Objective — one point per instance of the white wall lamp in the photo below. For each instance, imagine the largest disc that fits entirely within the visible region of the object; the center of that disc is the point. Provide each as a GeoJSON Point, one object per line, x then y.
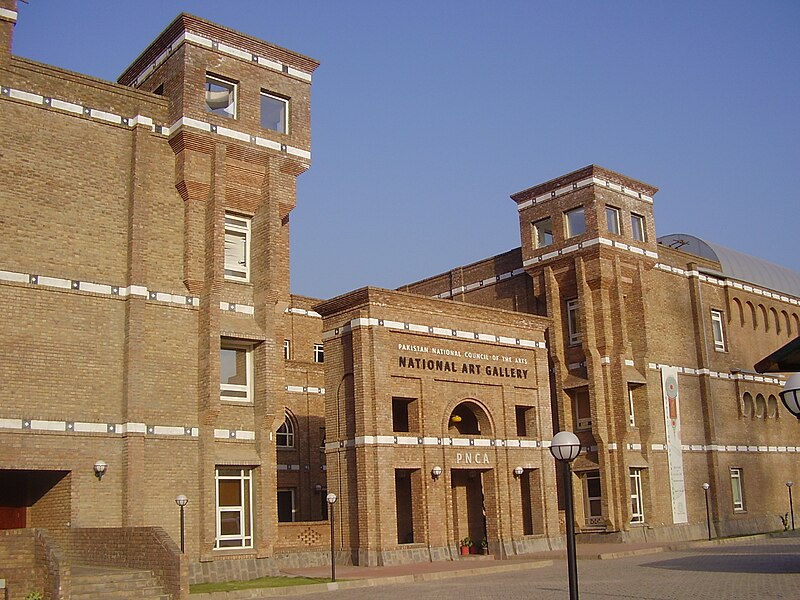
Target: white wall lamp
{"type": "Point", "coordinates": [100, 469]}
{"type": "Point", "coordinates": [436, 472]}
{"type": "Point", "coordinates": [518, 471]}
{"type": "Point", "coordinates": [791, 395]}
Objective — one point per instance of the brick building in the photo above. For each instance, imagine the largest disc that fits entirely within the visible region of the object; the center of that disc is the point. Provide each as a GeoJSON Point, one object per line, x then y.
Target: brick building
{"type": "Point", "coordinates": [148, 325]}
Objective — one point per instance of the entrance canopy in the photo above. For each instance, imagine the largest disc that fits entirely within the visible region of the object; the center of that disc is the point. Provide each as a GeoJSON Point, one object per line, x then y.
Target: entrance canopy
{"type": "Point", "coordinates": [783, 360]}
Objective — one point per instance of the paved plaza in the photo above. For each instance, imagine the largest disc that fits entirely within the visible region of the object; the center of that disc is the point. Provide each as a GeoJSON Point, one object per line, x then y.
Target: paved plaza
{"type": "Point", "coordinates": [749, 569]}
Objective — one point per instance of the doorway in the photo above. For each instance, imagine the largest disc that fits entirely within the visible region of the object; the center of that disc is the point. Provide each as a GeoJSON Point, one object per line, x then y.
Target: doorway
{"type": "Point", "coordinates": [469, 511]}
{"type": "Point", "coordinates": [34, 499]}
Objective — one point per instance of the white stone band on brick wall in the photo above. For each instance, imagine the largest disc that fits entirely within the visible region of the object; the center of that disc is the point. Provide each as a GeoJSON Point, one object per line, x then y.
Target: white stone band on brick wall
{"type": "Point", "coordinates": [720, 375]}
{"type": "Point", "coordinates": [8, 15]}
{"type": "Point", "coordinates": [479, 284]}
{"type": "Point", "coordinates": [588, 244]}
{"type": "Point", "coordinates": [582, 184]}
{"type": "Point", "coordinates": [107, 428]}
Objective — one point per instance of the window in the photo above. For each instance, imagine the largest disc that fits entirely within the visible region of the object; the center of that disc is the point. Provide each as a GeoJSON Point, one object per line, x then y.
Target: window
{"type": "Point", "coordinates": [719, 335]}
{"type": "Point", "coordinates": [286, 506]}
{"type": "Point", "coordinates": [234, 504]}
{"type": "Point", "coordinates": [573, 324]}
{"type": "Point", "coordinates": [737, 489]}
{"type": "Point", "coordinates": [274, 112]}
{"type": "Point", "coordinates": [612, 219]}
{"type": "Point", "coordinates": [575, 222]}
{"type": "Point", "coordinates": [235, 371]}
{"type": "Point", "coordinates": [631, 416]}
{"type": "Point", "coordinates": [543, 233]}
{"type": "Point", "coordinates": [220, 96]}
{"type": "Point", "coordinates": [322, 439]}
{"type": "Point", "coordinates": [237, 247]}
{"type": "Point", "coordinates": [637, 504]}
{"type": "Point", "coordinates": [287, 350]}
{"type": "Point", "coordinates": [637, 228]}
{"type": "Point", "coordinates": [583, 411]}
{"type": "Point", "coordinates": [319, 353]}
{"type": "Point", "coordinates": [593, 499]}
{"type": "Point", "coordinates": [284, 437]}
{"type": "Point", "coordinates": [525, 420]}
{"type": "Point", "coordinates": [404, 414]}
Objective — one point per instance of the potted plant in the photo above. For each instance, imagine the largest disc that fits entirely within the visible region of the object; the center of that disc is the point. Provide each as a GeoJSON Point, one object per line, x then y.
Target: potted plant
{"type": "Point", "coordinates": [484, 546]}
{"type": "Point", "coordinates": [466, 546]}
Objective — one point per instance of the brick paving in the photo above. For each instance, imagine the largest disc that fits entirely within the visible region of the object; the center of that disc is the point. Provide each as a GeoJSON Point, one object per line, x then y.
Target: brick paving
{"type": "Point", "coordinates": [745, 569]}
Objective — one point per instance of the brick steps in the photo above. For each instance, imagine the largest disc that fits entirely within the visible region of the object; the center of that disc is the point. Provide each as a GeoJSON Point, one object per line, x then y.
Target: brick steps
{"type": "Point", "coordinates": [91, 582]}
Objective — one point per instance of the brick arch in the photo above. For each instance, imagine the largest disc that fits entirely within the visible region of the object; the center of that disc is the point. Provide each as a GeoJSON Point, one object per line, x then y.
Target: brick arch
{"type": "Point", "coordinates": [772, 407]}
{"type": "Point", "coordinates": [775, 320]}
{"type": "Point", "coordinates": [748, 407]}
{"type": "Point", "coordinates": [788, 322]}
{"type": "Point", "coordinates": [763, 310]}
{"type": "Point", "coordinates": [739, 310]}
{"type": "Point", "coordinates": [473, 419]}
{"type": "Point", "coordinates": [761, 407]}
{"type": "Point", "coordinates": [753, 314]}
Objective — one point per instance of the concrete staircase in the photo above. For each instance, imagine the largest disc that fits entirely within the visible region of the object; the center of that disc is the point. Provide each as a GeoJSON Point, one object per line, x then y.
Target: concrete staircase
{"type": "Point", "coordinates": [91, 582]}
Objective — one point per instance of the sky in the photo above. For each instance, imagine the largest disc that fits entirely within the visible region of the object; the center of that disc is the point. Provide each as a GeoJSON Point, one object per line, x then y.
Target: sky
{"type": "Point", "coordinates": [428, 115]}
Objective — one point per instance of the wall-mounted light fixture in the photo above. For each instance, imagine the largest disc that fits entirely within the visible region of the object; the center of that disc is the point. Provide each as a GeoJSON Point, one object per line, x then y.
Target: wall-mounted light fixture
{"type": "Point", "coordinates": [436, 472]}
{"type": "Point", "coordinates": [100, 468]}
{"type": "Point", "coordinates": [518, 471]}
{"type": "Point", "coordinates": [318, 488]}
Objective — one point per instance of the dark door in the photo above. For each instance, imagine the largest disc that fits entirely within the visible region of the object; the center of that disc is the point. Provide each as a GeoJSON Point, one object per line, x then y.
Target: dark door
{"type": "Point", "coordinates": [12, 517]}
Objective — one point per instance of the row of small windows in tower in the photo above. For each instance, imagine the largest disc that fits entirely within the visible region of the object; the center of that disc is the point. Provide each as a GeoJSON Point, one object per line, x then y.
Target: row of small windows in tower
{"type": "Point", "coordinates": [575, 224]}
{"type": "Point", "coordinates": [319, 351]}
{"type": "Point", "coordinates": [222, 98]}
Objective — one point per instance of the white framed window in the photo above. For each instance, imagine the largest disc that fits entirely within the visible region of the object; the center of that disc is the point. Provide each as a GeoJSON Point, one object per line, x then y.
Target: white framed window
{"type": "Point", "coordinates": [719, 331]}
{"type": "Point", "coordinates": [235, 371]}
{"type": "Point", "coordinates": [637, 228]}
{"type": "Point", "coordinates": [274, 112]}
{"type": "Point", "coordinates": [319, 353]}
{"type": "Point", "coordinates": [237, 247]}
{"type": "Point", "coordinates": [631, 414]}
{"type": "Point", "coordinates": [542, 233]}
{"type": "Point", "coordinates": [593, 499]}
{"type": "Point", "coordinates": [284, 437]}
{"type": "Point", "coordinates": [575, 222]}
{"type": "Point", "coordinates": [287, 350]}
{"type": "Point", "coordinates": [286, 505]}
{"type": "Point", "coordinates": [234, 507]}
{"type": "Point", "coordinates": [221, 96]}
{"type": "Point", "coordinates": [583, 410]}
{"type": "Point", "coordinates": [637, 499]}
{"type": "Point", "coordinates": [737, 489]}
{"type": "Point", "coordinates": [612, 219]}
{"type": "Point", "coordinates": [573, 322]}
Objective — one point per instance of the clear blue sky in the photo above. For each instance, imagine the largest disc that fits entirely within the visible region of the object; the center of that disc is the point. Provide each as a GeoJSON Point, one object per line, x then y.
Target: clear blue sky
{"type": "Point", "coordinates": [427, 115]}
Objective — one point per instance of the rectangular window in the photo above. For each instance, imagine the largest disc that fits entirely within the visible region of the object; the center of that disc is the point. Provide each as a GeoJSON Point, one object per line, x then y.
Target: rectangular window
{"type": "Point", "coordinates": [637, 500]}
{"type": "Point", "coordinates": [525, 423]}
{"type": "Point", "coordinates": [237, 247]}
{"type": "Point", "coordinates": [631, 416]}
{"type": "Point", "coordinates": [593, 499]}
{"type": "Point", "coordinates": [287, 350]}
{"type": "Point", "coordinates": [573, 323]}
{"type": "Point", "coordinates": [286, 506]}
{"type": "Point", "coordinates": [583, 411]}
{"type": "Point", "coordinates": [543, 233]}
{"type": "Point", "coordinates": [719, 332]}
{"type": "Point", "coordinates": [575, 222]}
{"type": "Point", "coordinates": [612, 219]}
{"type": "Point", "coordinates": [235, 371]}
{"type": "Point", "coordinates": [274, 112]}
{"type": "Point", "coordinates": [405, 414]}
{"type": "Point", "coordinates": [637, 228]}
{"type": "Point", "coordinates": [319, 353]}
{"type": "Point", "coordinates": [737, 489]}
{"type": "Point", "coordinates": [234, 507]}
{"type": "Point", "coordinates": [220, 96]}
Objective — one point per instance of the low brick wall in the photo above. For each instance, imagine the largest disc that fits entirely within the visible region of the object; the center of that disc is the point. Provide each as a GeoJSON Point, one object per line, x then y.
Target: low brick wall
{"type": "Point", "coordinates": [148, 548]}
{"type": "Point", "coordinates": [303, 535]}
{"type": "Point", "coordinates": [31, 561]}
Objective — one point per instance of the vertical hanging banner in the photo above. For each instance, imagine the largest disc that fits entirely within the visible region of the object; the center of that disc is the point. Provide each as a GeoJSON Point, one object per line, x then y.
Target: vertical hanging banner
{"type": "Point", "coordinates": [672, 422]}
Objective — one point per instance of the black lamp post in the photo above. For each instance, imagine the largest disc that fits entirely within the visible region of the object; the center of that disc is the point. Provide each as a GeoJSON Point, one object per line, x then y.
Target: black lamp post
{"type": "Point", "coordinates": [565, 448]}
{"type": "Point", "coordinates": [789, 485]}
{"type": "Point", "coordinates": [182, 501]}
{"type": "Point", "coordinates": [708, 513]}
{"type": "Point", "coordinates": [331, 499]}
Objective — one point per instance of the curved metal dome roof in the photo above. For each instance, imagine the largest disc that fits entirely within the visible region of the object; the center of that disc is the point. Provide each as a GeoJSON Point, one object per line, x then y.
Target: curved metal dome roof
{"type": "Point", "coordinates": [738, 265]}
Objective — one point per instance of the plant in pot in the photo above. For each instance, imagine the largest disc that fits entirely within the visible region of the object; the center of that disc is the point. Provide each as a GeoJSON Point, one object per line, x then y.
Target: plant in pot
{"type": "Point", "coordinates": [466, 545]}
{"type": "Point", "coordinates": [484, 546]}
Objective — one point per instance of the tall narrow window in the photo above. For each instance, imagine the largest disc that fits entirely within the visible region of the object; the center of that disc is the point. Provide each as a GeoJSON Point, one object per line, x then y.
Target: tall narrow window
{"type": "Point", "coordinates": [319, 353]}
{"type": "Point", "coordinates": [637, 503]}
{"type": "Point", "coordinates": [235, 371]}
{"type": "Point", "coordinates": [583, 410]}
{"type": "Point", "coordinates": [237, 247]}
{"type": "Point", "coordinates": [575, 222]}
{"type": "Point", "coordinates": [286, 506]}
{"type": "Point", "coordinates": [284, 437]}
{"type": "Point", "coordinates": [573, 323]}
{"type": "Point", "coordinates": [287, 349]}
{"type": "Point", "coordinates": [543, 233]}
{"type": "Point", "coordinates": [632, 415]}
{"type": "Point", "coordinates": [220, 96]}
{"type": "Point", "coordinates": [719, 333]}
{"type": "Point", "coordinates": [612, 219]}
{"type": "Point", "coordinates": [593, 499]}
{"type": "Point", "coordinates": [737, 489]}
{"type": "Point", "coordinates": [274, 112]}
{"type": "Point", "coordinates": [637, 228]}
{"type": "Point", "coordinates": [525, 416]}
{"type": "Point", "coordinates": [234, 507]}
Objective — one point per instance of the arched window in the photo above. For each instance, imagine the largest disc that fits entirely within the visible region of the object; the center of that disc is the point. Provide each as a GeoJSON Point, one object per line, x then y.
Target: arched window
{"type": "Point", "coordinates": [284, 438]}
{"type": "Point", "coordinates": [747, 405]}
{"type": "Point", "coordinates": [764, 318]}
{"type": "Point", "coordinates": [753, 316]}
{"type": "Point", "coordinates": [761, 407]}
{"type": "Point", "coordinates": [469, 418]}
{"type": "Point", "coordinates": [775, 319]}
{"type": "Point", "coordinates": [772, 407]}
{"type": "Point", "coordinates": [796, 322]}
{"type": "Point", "coordinates": [739, 310]}
{"type": "Point", "coordinates": [788, 323]}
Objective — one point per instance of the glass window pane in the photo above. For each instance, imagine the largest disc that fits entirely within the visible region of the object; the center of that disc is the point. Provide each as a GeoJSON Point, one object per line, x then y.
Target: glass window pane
{"type": "Point", "coordinates": [230, 522]}
{"type": "Point", "coordinates": [637, 227]}
{"type": "Point", "coordinates": [612, 219]}
{"type": "Point", "coordinates": [230, 492]}
{"type": "Point", "coordinates": [543, 233]}
{"type": "Point", "coordinates": [233, 366]}
{"type": "Point", "coordinates": [220, 96]}
{"type": "Point", "coordinates": [273, 113]}
{"type": "Point", "coordinates": [576, 223]}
